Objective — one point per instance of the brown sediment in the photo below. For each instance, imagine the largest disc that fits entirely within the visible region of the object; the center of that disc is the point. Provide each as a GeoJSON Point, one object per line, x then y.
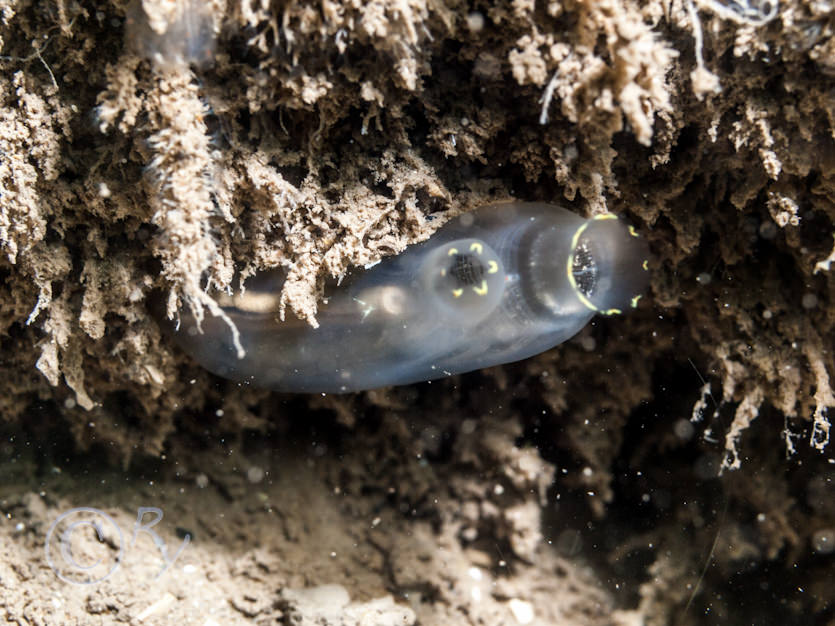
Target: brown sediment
{"type": "Point", "coordinates": [320, 137]}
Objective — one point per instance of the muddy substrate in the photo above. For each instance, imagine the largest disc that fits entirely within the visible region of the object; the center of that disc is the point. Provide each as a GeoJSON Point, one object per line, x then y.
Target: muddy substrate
{"type": "Point", "coordinates": [671, 466]}
{"type": "Point", "coordinates": [447, 503]}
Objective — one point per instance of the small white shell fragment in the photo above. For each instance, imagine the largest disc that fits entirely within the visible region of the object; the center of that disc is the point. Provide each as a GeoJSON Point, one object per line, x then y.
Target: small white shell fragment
{"type": "Point", "coordinates": [522, 611]}
{"type": "Point", "coordinates": [325, 596]}
{"type": "Point", "coordinates": [157, 608]}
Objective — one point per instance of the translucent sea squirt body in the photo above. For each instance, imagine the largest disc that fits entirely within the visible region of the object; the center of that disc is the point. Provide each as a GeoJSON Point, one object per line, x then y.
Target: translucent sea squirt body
{"type": "Point", "coordinates": [499, 284]}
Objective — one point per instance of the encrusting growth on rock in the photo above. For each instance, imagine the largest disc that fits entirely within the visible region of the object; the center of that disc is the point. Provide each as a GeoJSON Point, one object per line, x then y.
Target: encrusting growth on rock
{"type": "Point", "coordinates": [193, 144]}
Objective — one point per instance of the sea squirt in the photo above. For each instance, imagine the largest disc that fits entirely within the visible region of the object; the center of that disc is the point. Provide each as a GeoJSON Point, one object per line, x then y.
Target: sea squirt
{"type": "Point", "coordinates": [499, 284]}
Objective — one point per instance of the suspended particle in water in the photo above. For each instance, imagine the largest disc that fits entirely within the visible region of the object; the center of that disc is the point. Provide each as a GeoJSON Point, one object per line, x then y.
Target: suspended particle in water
{"type": "Point", "coordinates": [809, 301]}
{"type": "Point", "coordinates": [823, 541]}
